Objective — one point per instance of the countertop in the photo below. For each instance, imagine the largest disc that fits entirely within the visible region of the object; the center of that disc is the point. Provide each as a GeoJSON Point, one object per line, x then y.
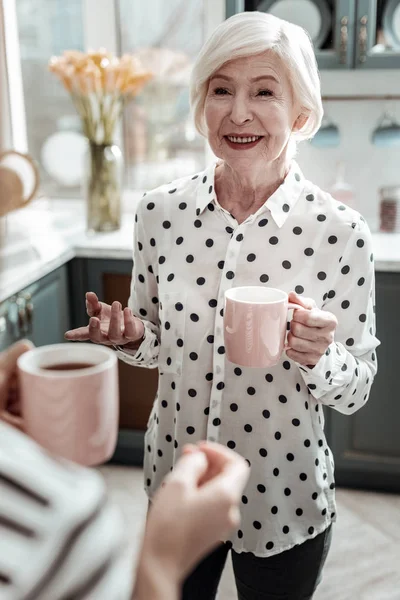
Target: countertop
{"type": "Point", "coordinates": [47, 234]}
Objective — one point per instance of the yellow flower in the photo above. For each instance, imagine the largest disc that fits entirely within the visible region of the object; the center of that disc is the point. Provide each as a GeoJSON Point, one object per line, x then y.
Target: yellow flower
{"type": "Point", "coordinates": [133, 85]}
{"type": "Point", "coordinates": [89, 79]}
{"type": "Point", "coordinates": [101, 58]}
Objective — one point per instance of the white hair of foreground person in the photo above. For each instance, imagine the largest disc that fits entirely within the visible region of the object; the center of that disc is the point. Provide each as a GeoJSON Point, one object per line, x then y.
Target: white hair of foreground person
{"type": "Point", "coordinates": [250, 33]}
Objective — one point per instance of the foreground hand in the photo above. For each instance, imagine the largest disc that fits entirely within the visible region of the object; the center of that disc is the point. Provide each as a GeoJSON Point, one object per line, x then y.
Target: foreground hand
{"type": "Point", "coordinates": [108, 325]}
{"type": "Point", "coordinates": [196, 507]}
{"type": "Point", "coordinates": [312, 330]}
{"type": "Point", "coordinates": [10, 409]}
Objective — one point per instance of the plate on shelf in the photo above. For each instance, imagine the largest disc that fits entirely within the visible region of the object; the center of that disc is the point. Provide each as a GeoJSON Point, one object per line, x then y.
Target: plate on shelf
{"type": "Point", "coordinates": [63, 155]}
{"type": "Point", "coordinates": [19, 178]}
{"type": "Point", "coordinates": [391, 23]}
{"type": "Point", "coordinates": [313, 15]}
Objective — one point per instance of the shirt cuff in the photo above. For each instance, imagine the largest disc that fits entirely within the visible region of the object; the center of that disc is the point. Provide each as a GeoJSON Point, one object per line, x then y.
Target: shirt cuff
{"type": "Point", "coordinates": [138, 354]}
{"type": "Point", "coordinates": [319, 379]}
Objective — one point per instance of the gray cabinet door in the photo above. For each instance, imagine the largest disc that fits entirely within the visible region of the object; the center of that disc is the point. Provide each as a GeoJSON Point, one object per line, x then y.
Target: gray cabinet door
{"type": "Point", "coordinates": [337, 51]}
{"type": "Point", "coordinates": [51, 313]}
{"type": "Point", "coordinates": [375, 41]}
{"type": "Point", "coordinates": [49, 310]}
{"type": "Point", "coordinates": [110, 280]}
{"type": "Point", "coordinates": [366, 445]}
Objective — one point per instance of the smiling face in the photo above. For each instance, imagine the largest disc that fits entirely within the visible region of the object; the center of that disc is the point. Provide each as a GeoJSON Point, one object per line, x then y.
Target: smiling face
{"type": "Point", "coordinates": [250, 111]}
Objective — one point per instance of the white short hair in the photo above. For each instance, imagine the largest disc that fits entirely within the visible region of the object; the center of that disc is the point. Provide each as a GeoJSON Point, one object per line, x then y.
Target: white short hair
{"type": "Point", "coordinates": [250, 33]}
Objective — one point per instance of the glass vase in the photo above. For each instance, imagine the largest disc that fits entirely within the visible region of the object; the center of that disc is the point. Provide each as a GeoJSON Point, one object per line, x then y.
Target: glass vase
{"type": "Point", "coordinates": [103, 187]}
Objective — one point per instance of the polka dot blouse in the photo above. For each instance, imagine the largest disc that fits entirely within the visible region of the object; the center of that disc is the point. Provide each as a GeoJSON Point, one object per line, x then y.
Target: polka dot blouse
{"type": "Point", "coordinates": [187, 251]}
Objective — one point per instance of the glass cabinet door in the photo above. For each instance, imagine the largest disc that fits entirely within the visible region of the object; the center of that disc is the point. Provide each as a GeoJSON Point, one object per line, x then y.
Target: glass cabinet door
{"type": "Point", "coordinates": [378, 34]}
{"type": "Point", "coordinates": [330, 24]}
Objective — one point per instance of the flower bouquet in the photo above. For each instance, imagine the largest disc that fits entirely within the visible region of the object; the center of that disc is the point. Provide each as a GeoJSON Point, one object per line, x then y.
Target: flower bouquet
{"type": "Point", "coordinates": [100, 84]}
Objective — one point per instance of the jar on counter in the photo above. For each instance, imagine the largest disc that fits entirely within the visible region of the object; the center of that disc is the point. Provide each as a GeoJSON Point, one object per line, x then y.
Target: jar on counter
{"type": "Point", "coordinates": [390, 209]}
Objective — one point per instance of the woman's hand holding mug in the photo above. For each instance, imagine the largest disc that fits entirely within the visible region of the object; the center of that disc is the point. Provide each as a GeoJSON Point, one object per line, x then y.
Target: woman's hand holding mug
{"type": "Point", "coordinates": [312, 330]}
{"type": "Point", "coordinates": [255, 323]}
{"type": "Point", "coordinates": [108, 325]}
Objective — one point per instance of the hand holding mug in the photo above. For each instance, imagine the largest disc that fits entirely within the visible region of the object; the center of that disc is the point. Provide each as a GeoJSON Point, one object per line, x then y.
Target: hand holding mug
{"type": "Point", "coordinates": [10, 409]}
{"type": "Point", "coordinates": [312, 330]}
{"type": "Point", "coordinates": [108, 325]}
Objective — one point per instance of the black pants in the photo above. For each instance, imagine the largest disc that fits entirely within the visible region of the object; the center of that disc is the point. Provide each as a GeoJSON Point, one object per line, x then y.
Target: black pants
{"type": "Point", "coordinates": [290, 575]}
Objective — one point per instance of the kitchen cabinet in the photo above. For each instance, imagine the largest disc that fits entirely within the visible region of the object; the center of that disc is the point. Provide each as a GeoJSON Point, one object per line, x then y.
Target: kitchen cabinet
{"type": "Point", "coordinates": [39, 312]}
{"type": "Point", "coordinates": [366, 445]}
{"type": "Point", "coordinates": [110, 280]}
{"type": "Point", "coordinates": [347, 34]}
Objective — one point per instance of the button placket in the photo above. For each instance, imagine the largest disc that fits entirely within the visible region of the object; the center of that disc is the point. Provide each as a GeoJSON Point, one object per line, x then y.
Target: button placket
{"type": "Point", "coordinates": [231, 261]}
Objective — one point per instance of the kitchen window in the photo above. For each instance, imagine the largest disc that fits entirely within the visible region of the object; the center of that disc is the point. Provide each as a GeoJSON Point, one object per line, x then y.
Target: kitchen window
{"type": "Point", "coordinates": [157, 135]}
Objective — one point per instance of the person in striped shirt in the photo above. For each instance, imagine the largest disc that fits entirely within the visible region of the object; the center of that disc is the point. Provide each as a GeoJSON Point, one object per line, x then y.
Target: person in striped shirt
{"type": "Point", "coordinates": [61, 538]}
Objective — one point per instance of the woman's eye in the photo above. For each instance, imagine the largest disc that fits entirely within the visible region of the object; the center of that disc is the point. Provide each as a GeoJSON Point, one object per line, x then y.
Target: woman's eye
{"type": "Point", "coordinates": [220, 91]}
{"type": "Point", "coordinates": [264, 93]}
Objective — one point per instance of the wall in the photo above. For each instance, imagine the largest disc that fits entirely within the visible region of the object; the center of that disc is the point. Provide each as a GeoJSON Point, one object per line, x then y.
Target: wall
{"type": "Point", "coordinates": [368, 167]}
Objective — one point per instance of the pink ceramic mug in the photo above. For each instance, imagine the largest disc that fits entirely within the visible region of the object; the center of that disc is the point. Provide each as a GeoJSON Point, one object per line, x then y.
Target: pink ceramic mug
{"type": "Point", "coordinates": [70, 400]}
{"type": "Point", "coordinates": [255, 320]}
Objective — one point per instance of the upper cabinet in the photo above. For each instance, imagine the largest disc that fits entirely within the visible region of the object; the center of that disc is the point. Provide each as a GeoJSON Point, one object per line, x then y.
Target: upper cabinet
{"type": "Point", "coordinates": [377, 34]}
{"type": "Point", "coordinates": [347, 34]}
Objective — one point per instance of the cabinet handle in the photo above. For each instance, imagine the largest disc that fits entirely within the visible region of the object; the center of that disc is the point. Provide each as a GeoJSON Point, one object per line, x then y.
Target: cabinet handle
{"type": "Point", "coordinates": [22, 322]}
{"type": "Point", "coordinates": [344, 36]}
{"type": "Point", "coordinates": [29, 316]}
{"type": "Point", "coordinates": [363, 39]}
{"type": "Point", "coordinates": [12, 317]}
{"type": "Point", "coordinates": [3, 325]}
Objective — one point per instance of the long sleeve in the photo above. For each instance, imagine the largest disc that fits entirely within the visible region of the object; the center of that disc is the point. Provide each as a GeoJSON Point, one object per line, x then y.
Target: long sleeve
{"type": "Point", "coordinates": [143, 300]}
{"type": "Point", "coordinates": [60, 537]}
{"type": "Point", "coordinates": [343, 377]}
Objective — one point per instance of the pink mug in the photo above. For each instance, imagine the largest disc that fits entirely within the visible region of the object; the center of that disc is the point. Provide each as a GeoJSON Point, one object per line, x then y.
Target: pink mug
{"type": "Point", "coordinates": [70, 400]}
{"type": "Point", "coordinates": [255, 320]}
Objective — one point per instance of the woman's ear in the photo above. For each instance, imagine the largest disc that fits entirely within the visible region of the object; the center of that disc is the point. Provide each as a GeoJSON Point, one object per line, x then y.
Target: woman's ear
{"type": "Point", "coordinates": [300, 122]}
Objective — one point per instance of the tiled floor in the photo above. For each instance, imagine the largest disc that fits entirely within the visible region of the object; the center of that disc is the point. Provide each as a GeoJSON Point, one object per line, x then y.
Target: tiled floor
{"type": "Point", "coordinates": [364, 561]}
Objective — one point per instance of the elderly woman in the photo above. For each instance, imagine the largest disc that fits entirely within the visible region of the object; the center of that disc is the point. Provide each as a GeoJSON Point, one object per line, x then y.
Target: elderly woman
{"type": "Point", "coordinates": [251, 218]}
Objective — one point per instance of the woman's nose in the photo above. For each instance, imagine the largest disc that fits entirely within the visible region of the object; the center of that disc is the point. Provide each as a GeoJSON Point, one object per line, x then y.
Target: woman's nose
{"type": "Point", "coordinates": [240, 111]}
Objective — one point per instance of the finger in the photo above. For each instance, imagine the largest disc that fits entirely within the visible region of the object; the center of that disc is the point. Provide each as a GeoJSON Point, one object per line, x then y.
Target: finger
{"type": "Point", "coordinates": [12, 420]}
{"type": "Point", "coordinates": [303, 358]}
{"type": "Point", "coordinates": [190, 449]}
{"type": "Point", "coordinates": [189, 469]}
{"type": "Point", "coordinates": [313, 334]}
{"type": "Point", "coordinates": [93, 306]}
{"type": "Point", "coordinates": [315, 318]}
{"type": "Point", "coordinates": [133, 327]}
{"type": "Point", "coordinates": [115, 333]}
{"type": "Point", "coordinates": [229, 482]}
{"type": "Point", "coordinates": [306, 346]}
{"type": "Point", "coordinates": [8, 358]}
{"type": "Point", "coordinates": [307, 303]}
{"type": "Point", "coordinates": [95, 334]}
{"type": "Point", "coordinates": [224, 462]}
{"type": "Point", "coordinates": [80, 334]}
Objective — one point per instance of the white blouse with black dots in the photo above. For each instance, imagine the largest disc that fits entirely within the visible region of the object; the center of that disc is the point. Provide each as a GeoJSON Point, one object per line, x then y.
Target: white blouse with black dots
{"type": "Point", "coordinates": [187, 251]}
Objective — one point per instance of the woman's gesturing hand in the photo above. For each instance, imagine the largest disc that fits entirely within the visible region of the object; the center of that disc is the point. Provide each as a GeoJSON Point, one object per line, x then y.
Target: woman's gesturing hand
{"type": "Point", "coordinates": [312, 330]}
{"type": "Point", "coordinates": [108, 325]}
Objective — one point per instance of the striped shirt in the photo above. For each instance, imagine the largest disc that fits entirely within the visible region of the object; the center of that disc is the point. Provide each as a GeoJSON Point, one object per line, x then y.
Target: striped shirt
{"type": "Point", "coordinates": [60, 538]}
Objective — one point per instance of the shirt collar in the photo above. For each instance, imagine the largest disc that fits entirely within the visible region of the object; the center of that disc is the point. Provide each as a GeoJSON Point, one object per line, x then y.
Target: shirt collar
{"type": "Point", "coordinates": [205, 189]}
{"type": "Point", "coordinates": [284, 199]}
{"type": "Point", "coordinates": [280, 204]}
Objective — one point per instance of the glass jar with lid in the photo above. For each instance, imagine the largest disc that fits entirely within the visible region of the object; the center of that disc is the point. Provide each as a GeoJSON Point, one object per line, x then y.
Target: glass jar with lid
{"type": "Point", "coordinates": [390, 209]}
